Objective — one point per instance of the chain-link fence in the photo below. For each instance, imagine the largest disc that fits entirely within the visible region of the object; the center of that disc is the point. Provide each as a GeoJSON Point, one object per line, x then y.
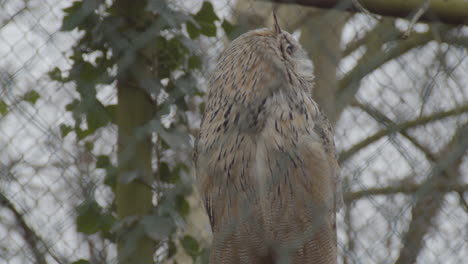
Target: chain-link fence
{"type": "Point", "coordinates": [398, 103]}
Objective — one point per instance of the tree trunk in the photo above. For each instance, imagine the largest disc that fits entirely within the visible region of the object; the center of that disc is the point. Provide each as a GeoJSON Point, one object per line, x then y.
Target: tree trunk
{"type": "Point", "coordinates": [133, 193]}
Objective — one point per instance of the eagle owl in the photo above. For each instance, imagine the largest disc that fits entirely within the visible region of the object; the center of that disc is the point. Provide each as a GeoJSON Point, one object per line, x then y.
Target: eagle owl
{"type": "Point", "coordinates": [265, 158]}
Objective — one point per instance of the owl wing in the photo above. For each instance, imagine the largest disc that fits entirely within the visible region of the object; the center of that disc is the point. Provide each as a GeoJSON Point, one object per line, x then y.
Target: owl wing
{"type": "Point", "coordinates": [308, 214]}
{"type": "Point", "coordinates": [325, 131]}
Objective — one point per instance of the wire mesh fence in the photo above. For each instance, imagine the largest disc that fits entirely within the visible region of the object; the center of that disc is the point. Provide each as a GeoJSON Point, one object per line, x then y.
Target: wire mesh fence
{"type": "Point", "coordinates": [399, 107]}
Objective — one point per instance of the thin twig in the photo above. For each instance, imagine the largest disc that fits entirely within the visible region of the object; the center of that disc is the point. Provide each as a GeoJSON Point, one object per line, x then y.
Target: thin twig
{"type": "Point", "coordinates": [346, 154]}
{"type": "Point", "coordinates": [364, 10]}
{"type": "Point", "coordinates": [428, 201]}
{"type": "Point", "coordinates": [405, 188]}
{"type": "Point", "coordinates": [29, 236]}
{"type": "Point", "coordinates": [423, 9]}
{"type": "Point", "coordinates": [463, 201]}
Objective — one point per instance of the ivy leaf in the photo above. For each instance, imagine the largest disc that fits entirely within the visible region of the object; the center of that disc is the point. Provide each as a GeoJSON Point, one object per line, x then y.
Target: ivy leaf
{"type": "Point", "coordinates": [191, 246]}
{"type": "Point", "coordinates": [91, 218]}
{"type": "Point", "coordinates": [205, 19]}
{"type": "Point", "coordinates": [112, 113]}
{"type": "Point", "coordinates": [3, 108]}
{"type": "Point", "coordinates": [31, 97]}
{"type": "Point", "coordinates": [172, 250]}
{"type": "Point", "coordinates": [158, 227]}
{"type": "Point", "coordinates": [103, 162]}
{"type": "Point", "coordinates": [201, 107]}
{"type": "Point", "coordinates": [182, 205]}
{"type": "Point", "coordinates": [56, 75]}
{"type": "Point", "coordinates": [194, 62]}
{"type": "Point", "coordinates": [81, 134]}
{"type": "Point", "coordinates": [81, 261]}
{"type": "Point", "coordinates": [96, 118]}
{"type": "Point", "coordinates": [88, 219]}
{"type": "Point", "coordinates": [192, 30]}
{"type": "Point", "coordinates": [203, 257]}
{"type": "Point", "coordinates": [73, 105]}
{"type": "Point", "coordinates": [231, 31]}
{"type": "Point", "coordinates": [89, 145]}
{"type": "Point", "coordinates": [165, 174]}
{"type": "Point", "coordinates": [65, 130]}
{"type": "Point", "coordinates": [77, 13]}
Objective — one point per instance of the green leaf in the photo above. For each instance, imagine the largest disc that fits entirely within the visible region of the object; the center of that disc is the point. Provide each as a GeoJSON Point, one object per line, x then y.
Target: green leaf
{"type": "Point", "coordinates": [112, 113]}
{"type": "Point", "coordinates": [88, 220]}
{"type": "Point", "coordinates": [158, 227]}
{"type": "Point", "coordinates": [205, 18]}
{"type": "Point", "coordinates": [77, 13]}
{"type": "Point", "coordinates": [231, 31]}
{"type": "Point", "coordinates": [89, 145]}
{"type": "Point", "coordinates": [182, 206]}
{"type": "Point", "coordinates": [81, 134]}
{"type": "Point", "coordinates": [103, 162]}
{"type": "Point", "coordinates": [91, 218]}
{"type": "Point", "coordinates": [192, 30]}
{"type": "Point", "coordinates": [3, 108]}
{"type": "Point", "coordinates": [111, 177]}
{"type": "Point", "coordinates": [96, 119]}
{"type": "Point", "coordinates": [172, 250]}
{"type": "Point", "coordinates": [206, 13]}
{"type": "Point", "coordinates": [191, 246]}
{"type": "Point", "coordinates": [73, 105]}
{"type": "Point", "coordinates": [31, 97]}
{"type": "Point", "coordinates": [81, 261]}
{"type": "Point", "coordinates": [65, 130]}
{"type": "Point", "coordinates": [164, 172]}
{"type": "Point", "coordinates": [194, 62]}
{"type": "Point", "coordinates": [203, 257]}
{"type": "Point", "coordinates": [56, 75]}
{"type": "Point", "coordinates": [89, 72]}
{"type": "Point", "coordinates": [171, 55]}
{"type": "Point", "coordinates": [106, 222]}
{"type": "Point", "coordinates": [201, 107]}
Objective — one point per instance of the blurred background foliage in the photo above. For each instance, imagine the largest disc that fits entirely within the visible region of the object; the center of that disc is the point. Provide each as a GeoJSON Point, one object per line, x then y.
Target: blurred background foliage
{"type": "Point", "coordinates": [101, 100]}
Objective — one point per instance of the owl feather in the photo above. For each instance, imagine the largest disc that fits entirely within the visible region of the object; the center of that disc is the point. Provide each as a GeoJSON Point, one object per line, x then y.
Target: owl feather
{"type": "Point", "coordinates": [265, 158]}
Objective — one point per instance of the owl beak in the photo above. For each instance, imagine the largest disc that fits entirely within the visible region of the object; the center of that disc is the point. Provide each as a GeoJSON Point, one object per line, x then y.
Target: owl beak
{"type": "Point", "coordinates": [276, 26]}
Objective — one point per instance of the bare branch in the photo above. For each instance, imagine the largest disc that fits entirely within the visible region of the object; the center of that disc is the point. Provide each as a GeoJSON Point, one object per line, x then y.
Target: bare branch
{"type": "Point", "coordinates": [405, 188]}
{"type": "Point", "coordinates": [29, 236]}
{"type": "Point", "coordinates": [450, 12]}
{"type": "Point", "coordinates": [385, 25]}
{"type": "Point", "coordinates": [374, 58]}
{"type": "Point", "coordinates": [382, 118]}
{"type": "Point", "coordinates": [428, 199]}
{"type": "Point", "coordinates": [421, 11]}
{"type": "Point", "coordinates": [345, 155]}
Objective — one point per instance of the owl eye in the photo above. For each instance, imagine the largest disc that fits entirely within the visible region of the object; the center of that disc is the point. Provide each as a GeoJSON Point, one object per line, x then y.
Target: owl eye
{"type": "Point", "coordinates": [290, 49]}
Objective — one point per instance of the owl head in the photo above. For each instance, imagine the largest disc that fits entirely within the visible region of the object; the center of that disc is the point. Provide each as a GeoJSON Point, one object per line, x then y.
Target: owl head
{"type": "Point", "coordinates": [263, 58]}
{"type": "Point", "coordinates": [278, 46]}
{"type": "Point", "coordinates": [293, 55]}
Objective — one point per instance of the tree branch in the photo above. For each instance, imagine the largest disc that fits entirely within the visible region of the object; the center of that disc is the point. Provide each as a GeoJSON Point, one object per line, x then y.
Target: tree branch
{"type": "Point", "coordinates": [29, 236]}
{"type": "Point", "coordinates": [450, 12]}
{"type": "Point", "coordinates": [345, 155]}
{"type": "Point", "coordinates": [383, 26]}
{"type": "Point", "coordinates": [380, 117]}
{"type": "Point", "coordinates": [428, 200]}
{"type": "Point", "coordinates": [440, 187]}
{"type": "Point", "coordinates": [374, 58]}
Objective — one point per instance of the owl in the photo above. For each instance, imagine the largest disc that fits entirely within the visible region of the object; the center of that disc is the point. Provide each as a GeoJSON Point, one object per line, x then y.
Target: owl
{"type": "Point", "coordinates": [265, 158]}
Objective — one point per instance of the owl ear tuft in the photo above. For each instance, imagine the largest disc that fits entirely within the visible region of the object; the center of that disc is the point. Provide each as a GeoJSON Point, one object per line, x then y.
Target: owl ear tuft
{"type": "Point", "coordinates": [276, 26]}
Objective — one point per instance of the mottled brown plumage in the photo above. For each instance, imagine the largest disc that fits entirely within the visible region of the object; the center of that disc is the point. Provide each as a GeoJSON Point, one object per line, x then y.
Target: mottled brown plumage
{"type": "Point", "coordinates": [265, 156]}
